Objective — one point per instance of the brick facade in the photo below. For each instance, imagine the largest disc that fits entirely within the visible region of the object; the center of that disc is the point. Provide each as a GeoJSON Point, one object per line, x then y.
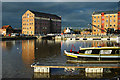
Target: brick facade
{"type": "Point", "coordinates": [104, 21]}
{"type": "Point", "coordinates": [40, 23]}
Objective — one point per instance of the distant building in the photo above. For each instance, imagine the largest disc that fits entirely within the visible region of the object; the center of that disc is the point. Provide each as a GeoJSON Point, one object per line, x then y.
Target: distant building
{"type": "Point", "coordinates": [68, 30]}
{"type": "Point", "coordinates": [86, 32]}
{"type": "Point", "coordinates": [6, 29]}
{"type": "Point", "coordinates": [105, 22]}
{"type": "Point", "coordinates": [17, 31]}
{"type": "Point", "coordinates": [40, 23]}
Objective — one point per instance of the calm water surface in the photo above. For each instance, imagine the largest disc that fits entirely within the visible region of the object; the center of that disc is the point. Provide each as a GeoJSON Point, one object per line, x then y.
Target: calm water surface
{"type": "Point", "coordinates": [18, 55]}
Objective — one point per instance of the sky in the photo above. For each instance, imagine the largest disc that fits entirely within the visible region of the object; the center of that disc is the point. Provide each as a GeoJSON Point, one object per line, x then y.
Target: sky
{"type": "Point", "coordinates": [74, 14]}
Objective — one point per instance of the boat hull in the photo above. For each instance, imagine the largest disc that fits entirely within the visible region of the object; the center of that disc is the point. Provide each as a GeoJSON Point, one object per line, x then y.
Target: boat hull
{"type": "Point", "coordinates": [91, 56]}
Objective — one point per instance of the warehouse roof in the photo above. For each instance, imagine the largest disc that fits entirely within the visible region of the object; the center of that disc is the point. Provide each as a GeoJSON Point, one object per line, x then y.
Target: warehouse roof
{"type": "Point", "coordinates": [45, 14]}
{"type": "Point", "coordinates": [105, 12]}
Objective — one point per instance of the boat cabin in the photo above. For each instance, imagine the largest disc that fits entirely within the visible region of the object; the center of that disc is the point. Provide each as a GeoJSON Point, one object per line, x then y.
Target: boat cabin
{"type": "Point", "coordinates": [100, 50]}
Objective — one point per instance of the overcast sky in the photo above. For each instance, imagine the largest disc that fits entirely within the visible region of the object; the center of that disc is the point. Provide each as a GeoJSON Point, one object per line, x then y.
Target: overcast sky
{"type": "Point", "coordinates": [76, 14]}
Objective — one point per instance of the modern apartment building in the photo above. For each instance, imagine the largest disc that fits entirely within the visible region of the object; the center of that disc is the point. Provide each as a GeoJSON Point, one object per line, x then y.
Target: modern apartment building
{"type": "Point", "coordinates": [105, 22]}
{"type": "Point", "coordinates": [40, 23]}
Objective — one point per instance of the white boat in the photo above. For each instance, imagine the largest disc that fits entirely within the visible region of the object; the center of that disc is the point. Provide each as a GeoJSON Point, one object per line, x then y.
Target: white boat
{"type": "Point", "coordinates": [95, 52]}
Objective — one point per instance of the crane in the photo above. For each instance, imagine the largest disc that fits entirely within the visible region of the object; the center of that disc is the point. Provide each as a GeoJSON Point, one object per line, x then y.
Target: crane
{"type": "Point", "coordinates": [109, 30]}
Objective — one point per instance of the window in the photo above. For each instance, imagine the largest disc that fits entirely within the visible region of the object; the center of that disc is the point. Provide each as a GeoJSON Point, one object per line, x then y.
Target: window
{"type": "Point", "coordinates": [114, 25]}
{"type": "Point", "coordinates": [98, 16]}
{"type": "Point", "coordinates": [27, 32]}
{"type": "Point", "coordinates": [98, 21]}
{"type": "Point", "coordinates": [110, 20]}
{"type": "Point", "coordinates": [107, 25]}
{"type": "Point", "coordinates": [114, 15]}
{"type": "Point", "coordinates": [114, 20]}
{"type": "Point", "coordinates": [27, 15]}
{"type": "Point", "coordinates": [102, 21]}
{"type": "Point", "coordinates": [31, 32]}
{"type": "Point", "coordinates": [94, 17]}
{"type": "Point", "coordinates": [98, 25]}
{"type": "Point", "coordinates": [106, 20]}
{"type": "Point", "coordinates": [30, 27]}
{"type": "Point", "coordinates": [110, 16]}
{"type": "Point", "coordinates": [110, 25]}
{"type": "Point", "coordinates": [27, 23]}
{"type": "Point", "coordinates": [94, 21]}
{"type": "Point", "coordinates": [107, 16]}
{"type": "Point", "coordinates": [28, 20]}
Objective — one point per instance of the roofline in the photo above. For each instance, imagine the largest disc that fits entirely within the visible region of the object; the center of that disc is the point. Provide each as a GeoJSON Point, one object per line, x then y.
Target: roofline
{"type": "Point", "coordinates": [45, 13]}
{"type": "Point", "coordinates": [105, 12]}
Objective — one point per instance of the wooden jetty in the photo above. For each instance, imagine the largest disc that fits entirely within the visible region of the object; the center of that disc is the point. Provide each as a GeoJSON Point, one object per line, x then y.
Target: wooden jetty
{"type": "Point", "coordinates": [88, 69]}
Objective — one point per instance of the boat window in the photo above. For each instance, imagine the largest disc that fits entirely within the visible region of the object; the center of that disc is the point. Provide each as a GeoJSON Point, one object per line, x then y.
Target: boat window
{"type": "Point", "coordinates": [81, 51]}
{"type": "Point", "coordinates": [105, 51]}
{"type": "Point", "coordinates": [88, 51]}
{"type": "Point", "coordinates": [115, 52]}
{"type": "Point", "coordinates": [95, 51]}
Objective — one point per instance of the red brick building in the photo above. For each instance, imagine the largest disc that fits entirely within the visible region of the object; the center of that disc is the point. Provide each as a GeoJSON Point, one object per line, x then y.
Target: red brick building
{"type": "Point", "coordinates": [40, 23]}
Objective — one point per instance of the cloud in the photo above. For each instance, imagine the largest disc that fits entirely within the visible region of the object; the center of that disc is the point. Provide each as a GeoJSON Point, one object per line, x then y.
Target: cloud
{"type": "Point", "coordinates": [73, 13]}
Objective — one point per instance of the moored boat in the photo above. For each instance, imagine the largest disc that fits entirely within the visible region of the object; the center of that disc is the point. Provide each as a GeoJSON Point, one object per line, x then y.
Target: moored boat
{"type": "Point", "coordinates": [95, 52]}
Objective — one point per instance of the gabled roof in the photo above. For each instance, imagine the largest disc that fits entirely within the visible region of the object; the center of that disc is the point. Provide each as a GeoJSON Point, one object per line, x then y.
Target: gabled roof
{"type": "Point", "coordinates": [105, 12]}
{"type": "Point", "coordinates": [6, 26]}
{"type": "Point", "coordinates": [45, 14]}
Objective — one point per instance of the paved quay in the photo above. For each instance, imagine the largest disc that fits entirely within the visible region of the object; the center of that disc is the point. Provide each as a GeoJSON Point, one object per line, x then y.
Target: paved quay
{"type": "Point", "coordinates": [17, 38]}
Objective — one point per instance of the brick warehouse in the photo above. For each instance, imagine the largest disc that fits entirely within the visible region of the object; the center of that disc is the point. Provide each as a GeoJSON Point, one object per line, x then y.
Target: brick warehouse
{"type": "Point", "coordinates": [105, 21]}
{"type": "Point", "coordinates": [40, 23]}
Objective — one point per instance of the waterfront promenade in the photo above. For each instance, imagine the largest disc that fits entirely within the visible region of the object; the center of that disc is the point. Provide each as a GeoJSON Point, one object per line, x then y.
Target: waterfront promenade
{"type": "Point", "coordinates": [17, 37]}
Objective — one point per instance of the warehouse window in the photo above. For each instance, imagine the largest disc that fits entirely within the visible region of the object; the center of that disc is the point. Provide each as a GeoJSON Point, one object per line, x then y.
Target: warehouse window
{"type": "Point", "coordinates": [27, 15]}
{"type": "Point", "coordinates": [27, 32]}
{"type": "Point", "coordinates": [31, 32]}
{"type": "Point", "coordinates": [107, 25]}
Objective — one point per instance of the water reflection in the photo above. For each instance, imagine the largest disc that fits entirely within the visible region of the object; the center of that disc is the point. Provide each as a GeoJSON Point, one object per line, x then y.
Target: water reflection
{"type": "Point", "coordinates": [28, 51]}
{"type": "Point", "coordinates": [68, 44]}
{"type": "Point", "coordinates": [20, 54]}
{"type": "Point", "coordinates": [47, 51]}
